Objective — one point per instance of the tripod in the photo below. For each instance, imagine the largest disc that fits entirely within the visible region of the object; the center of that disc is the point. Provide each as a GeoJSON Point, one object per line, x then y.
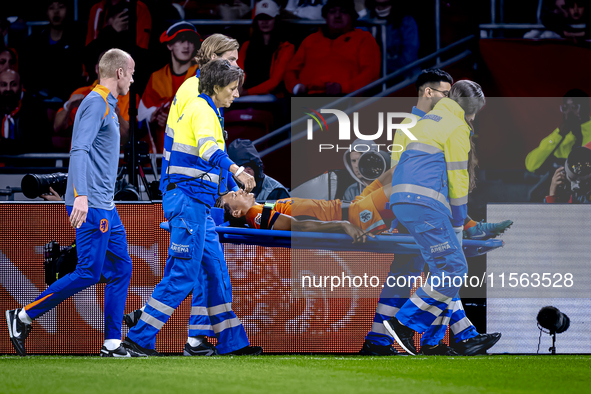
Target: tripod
{"type": "Point", "coordinates": [128, 191]}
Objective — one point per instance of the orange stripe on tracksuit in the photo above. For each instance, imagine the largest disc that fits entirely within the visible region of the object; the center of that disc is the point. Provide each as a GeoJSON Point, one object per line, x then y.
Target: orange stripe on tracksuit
{"type": "Point", "coordinates": [32, 304]}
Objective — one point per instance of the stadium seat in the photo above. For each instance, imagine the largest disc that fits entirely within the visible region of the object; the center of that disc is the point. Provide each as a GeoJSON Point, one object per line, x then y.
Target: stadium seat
{"type": "Point", "coordinates": [248, 123]}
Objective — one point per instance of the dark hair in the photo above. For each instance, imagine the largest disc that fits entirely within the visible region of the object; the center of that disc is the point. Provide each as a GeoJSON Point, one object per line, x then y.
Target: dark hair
{"type": "Point", "coordinates": [579, 97]}
{"type": "Point", "coordinates": [67, 3]}
{"type": "Point", "coordinates": [219, 203]}
{"type": "Point", "coordinates": [218, 72]}
{"type": "Point", "coordinates": [469, 95]}
{"type": "Point", "coordinates": [580, 3]}
{"type": "Point", "coordinates": [188, 36]}
{"type": "Point", "coordinates": [259, 57]}
{"type": "Point", "coordinates": [346, 5]}
{"type": "Point", "coordinates": [432, 76]}
{"type": "Point", "coordinates": [228, 217]}
{"type": "Point", "coordinates": [12, 53]}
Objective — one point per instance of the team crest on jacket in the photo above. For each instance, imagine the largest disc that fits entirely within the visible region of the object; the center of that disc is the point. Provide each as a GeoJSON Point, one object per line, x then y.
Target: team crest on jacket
{"type": "Point", "coordinates": [104, 225]}
{"type": "Point", "coordinates": [365, 216]}
{"type": "Point", "coordinates": [257, 220]}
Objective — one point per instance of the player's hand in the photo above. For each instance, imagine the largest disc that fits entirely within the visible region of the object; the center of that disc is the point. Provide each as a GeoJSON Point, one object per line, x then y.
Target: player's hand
{"type": "Point", "coordinates": [558, 179]}
{"type": "Point", "coordinates": [120, 21]}
{"type": "Point", "coordinates": [356, 233]}
{"type": "Point", "coordinates": [51, 196]}
{"type": "Point", "coordinates": [79, 211]}
{"type": "Point", "coordinates": [247, 180]}
{"type": "Point", "coordinates": [163, 115]}
{"type": "Point", "coordinates": [160, 116]}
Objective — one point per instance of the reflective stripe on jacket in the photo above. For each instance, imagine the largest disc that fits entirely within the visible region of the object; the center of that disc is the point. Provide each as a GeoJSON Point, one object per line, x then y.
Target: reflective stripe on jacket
{"type": "Point", "coordinates": [433, 170]}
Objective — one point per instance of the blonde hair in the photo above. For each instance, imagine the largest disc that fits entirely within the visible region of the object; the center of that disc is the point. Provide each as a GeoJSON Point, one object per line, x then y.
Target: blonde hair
{"type": "Point", "coordinates": [111, 61]}
{"type": "Point", "coordinates": [216, 44]}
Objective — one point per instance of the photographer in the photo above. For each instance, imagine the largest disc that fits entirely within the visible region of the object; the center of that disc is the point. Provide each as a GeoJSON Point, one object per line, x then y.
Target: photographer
{"type": "Point", "coordinates": [351, 160]}
{"type": "Point", "coordinates": [572, 183]}
{"type": "Point", "coordinates": [573, 132]}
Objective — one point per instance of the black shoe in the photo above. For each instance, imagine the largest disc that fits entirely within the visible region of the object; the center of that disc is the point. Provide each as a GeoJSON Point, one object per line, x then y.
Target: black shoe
{"type": "Point", "coordinates": [18, 331]}
{"type": "Point", "coordinates": [371, 349]}
{"type": "Point", "coordinates": [441, 349]}
{"type": "Point", "coordinates": [136, 350]}
{"type": "Point", "coordinates": [132, 318]}
{"type": "Point", "coordinates": [204, 349]}
{"type": "Point", "coordinates": [247, 351]}
{"type": "Point", "coordinates": [403, 335]}
{"type": "Point", "coordinates": [477, 345]}
{"type": "Point", "coordinates": [119, 352]}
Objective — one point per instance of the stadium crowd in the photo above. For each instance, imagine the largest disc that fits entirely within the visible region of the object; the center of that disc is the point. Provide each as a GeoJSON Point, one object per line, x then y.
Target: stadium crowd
{"type": "Point", "coordinates": [40, 103]}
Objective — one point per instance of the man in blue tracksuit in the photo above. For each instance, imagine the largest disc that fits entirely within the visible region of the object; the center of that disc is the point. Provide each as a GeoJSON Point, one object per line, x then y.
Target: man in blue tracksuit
{"type": "Point", "coordinates": [196, 170]}
{"type": "Point", "coordinates": [429, 197]}
{"type": "Point", "coordinates": [101, 243]}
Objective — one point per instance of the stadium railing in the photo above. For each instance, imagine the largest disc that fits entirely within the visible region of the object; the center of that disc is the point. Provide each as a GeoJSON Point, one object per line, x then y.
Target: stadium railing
{"type": "Point", "coordinates": [435, 55]}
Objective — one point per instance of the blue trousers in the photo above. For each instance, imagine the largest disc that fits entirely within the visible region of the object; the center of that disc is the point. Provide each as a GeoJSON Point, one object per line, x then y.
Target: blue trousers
{"type": "Point", "coordinates": [435, 301]}
{"type": "Point", "coordinates": [195, 263]}
{"type": "Point", "coordinates": [101, 247]}
{"type": "Point", "coordinates": [392, 298]}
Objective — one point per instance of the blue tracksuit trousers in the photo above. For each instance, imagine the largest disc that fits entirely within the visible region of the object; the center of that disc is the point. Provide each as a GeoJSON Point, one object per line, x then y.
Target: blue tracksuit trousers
{"type": "Point", "coordinates": [101, 247]}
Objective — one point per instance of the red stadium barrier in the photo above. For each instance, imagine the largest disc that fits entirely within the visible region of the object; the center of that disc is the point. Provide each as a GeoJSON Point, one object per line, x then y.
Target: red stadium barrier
{"type": "Point", "coordinates": [261, 280]}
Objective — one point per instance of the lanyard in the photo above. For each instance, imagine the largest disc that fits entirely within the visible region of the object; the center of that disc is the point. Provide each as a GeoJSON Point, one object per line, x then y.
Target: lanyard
{"type": "Point", "coordinates": [212, 105]}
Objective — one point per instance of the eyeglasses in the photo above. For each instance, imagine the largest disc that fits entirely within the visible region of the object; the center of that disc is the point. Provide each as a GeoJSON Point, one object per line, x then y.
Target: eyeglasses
{"type": "Point", "coordinates": [444, 92]}
{"type": "Point", "coordinates": [570, 107]}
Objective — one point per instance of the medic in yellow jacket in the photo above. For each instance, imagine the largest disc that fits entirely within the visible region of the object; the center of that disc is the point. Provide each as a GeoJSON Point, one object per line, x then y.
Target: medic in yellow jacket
{"type": "Point", "coordinates": [433, 171]}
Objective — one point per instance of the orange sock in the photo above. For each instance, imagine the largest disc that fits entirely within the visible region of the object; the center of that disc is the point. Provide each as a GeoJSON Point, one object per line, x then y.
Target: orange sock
{"type": "Point", "coordinates": [471, 223]}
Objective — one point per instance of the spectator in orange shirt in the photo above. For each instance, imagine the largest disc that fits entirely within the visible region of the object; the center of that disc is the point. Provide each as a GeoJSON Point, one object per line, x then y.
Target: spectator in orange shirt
{"type": "Point", "coordinates": [265, 57]}
{"type": "Point", "coordinates": [114, 14]}
{"type": "Point", "coordinates": [64, 118]}
{"type": "Point", "coordinates": [338, 59]}
{"type": "Point", "coordinates": [183, 42]}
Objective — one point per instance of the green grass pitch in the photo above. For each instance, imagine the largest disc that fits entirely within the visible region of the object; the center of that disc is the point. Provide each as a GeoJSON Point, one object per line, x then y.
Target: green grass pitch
{"type": "Point", "coordinates": [305, 374]}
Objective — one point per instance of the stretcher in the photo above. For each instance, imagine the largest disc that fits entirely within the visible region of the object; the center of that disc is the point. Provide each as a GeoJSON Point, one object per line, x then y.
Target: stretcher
{"type": "Point", "coordinates": [393, 243]}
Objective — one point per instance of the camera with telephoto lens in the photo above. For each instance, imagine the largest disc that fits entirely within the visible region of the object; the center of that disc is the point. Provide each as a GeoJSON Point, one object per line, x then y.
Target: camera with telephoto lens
{"type": "Point", "coordinates": [34, 185]}
{"type": "Point", "coordinates": [373, 164]}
